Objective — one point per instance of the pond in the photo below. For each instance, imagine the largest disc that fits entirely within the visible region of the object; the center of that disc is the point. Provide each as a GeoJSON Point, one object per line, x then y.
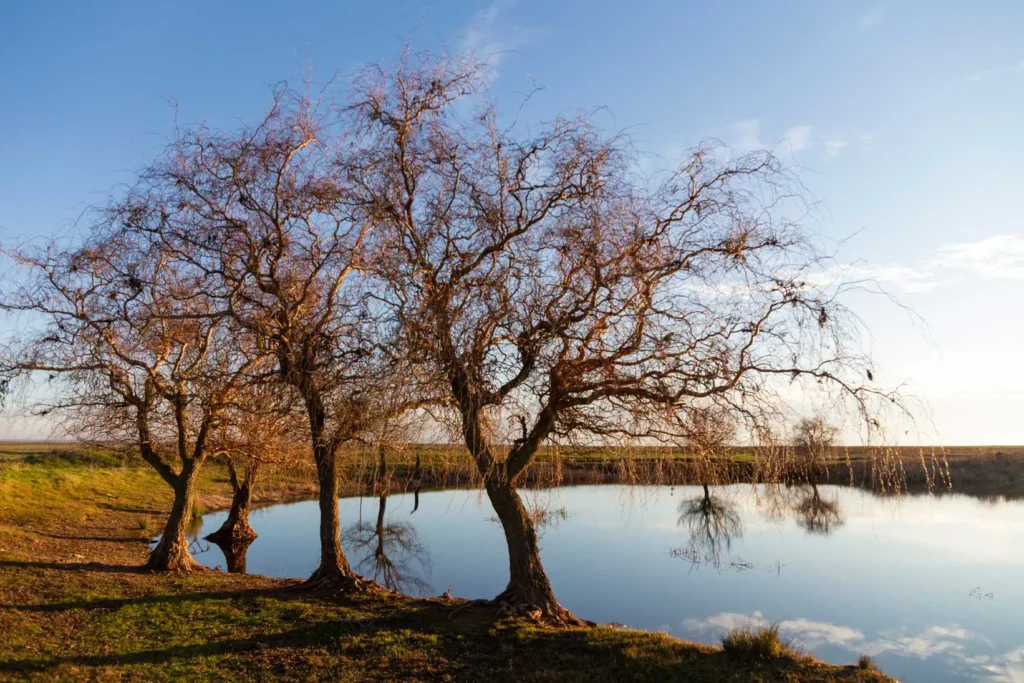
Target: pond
{"type": "Point", "coordinates": [931, 587]}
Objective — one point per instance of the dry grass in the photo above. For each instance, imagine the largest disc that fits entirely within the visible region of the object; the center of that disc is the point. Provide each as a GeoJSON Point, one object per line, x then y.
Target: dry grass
{"type": "Point", "coordinates": [762, 644]}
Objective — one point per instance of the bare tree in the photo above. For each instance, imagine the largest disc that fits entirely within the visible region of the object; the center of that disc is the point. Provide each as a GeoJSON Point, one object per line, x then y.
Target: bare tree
{"type": "Point", "coordinates": [258, 435]}
{"type": "Point", "coordinates": [707, 433]}
{"type": "Point", "coordinates": [813, 442]}
{"type": "Point", "coordinates": [131, 353]}
{"type": "Point", "coordinates": [261, 212]}
{"type": "Point", "coordinates": [554, 296]}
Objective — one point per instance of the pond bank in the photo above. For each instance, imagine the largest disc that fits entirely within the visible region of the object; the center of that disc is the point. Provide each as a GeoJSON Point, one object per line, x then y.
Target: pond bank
{"type": "Point", "coordinates": [75, 607]}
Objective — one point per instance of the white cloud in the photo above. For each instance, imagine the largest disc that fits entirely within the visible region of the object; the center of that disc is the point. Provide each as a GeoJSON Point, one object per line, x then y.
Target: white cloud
{"type": "Point", "coordinates": [999, 257]}
{"type": "Point", "coordinates": [871, 19]}
{"type": "Point", "coordinates": [797, 137]}
{"type": "Point", "coordinates": [812, 634]}
{"type": "Point", "coordinates": [1007, 667]}
{"type": "Point", "coordinates": [834, 144]}
{"type": "Point", "coordinates": [748, 136]}
{"type": "Point", "coordinates": [1006, 70]}
{"type": "Point", "coordinates": [483, 37]}
{"type": "Point", "coordinates": [804, 633]}
{"type": "Point", "coordinates": [949, 642]}
{"type": "Point", "coordinates": [935, 640]}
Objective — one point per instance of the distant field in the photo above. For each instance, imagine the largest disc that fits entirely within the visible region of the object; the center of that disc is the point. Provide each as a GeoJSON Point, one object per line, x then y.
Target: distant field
{"type": "Point", "coordinates": [452, 459]}
{"type": "Point", "coordinates": [433, 453]}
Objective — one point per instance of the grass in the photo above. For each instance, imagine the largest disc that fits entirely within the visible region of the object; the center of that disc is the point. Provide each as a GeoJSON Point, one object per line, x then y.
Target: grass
{"type": "Point", "coordinates": [73, 606]}
{"type": "Point", "coordinates": [756, 644]}
{"type": "Point", "coordinates": [866, 662]}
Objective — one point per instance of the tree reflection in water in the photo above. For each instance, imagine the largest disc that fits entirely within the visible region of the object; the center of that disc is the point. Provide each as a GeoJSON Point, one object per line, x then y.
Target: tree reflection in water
{"type": "Point", "coordinates": [392, 553]}
{"type": "Point", "coordinates": [234, 552]}
{"type": "Point", "coordinates": [815, 514]}
{"type": "Point", "coordinates": [713, 523]}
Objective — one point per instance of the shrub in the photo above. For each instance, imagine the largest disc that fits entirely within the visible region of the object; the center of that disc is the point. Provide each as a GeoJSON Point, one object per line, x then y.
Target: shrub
{"type": "Point", "coordinates": [750, 643]}
{"type": "Point", "coordinates": [866, 662]}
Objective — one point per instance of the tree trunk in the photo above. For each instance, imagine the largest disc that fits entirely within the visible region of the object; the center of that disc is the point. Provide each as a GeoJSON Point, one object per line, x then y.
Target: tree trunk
{"type": "Point", "coordinates": [236, 526]}
{"type": "Point", "coordinates": [171, 552]}
{"type": "Point", "coordinates": [529, 589]}
{"type": "Point", "coordinates": [334, 570]}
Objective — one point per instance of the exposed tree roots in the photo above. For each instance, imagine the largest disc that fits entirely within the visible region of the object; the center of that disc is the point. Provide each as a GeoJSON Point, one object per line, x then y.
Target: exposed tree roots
{"type": "Point", "coordinates": [176, 562]}
{"type": "Point", "coordinates": [549, 615]}
{"type": "Point", "coordinates": [332, 580]}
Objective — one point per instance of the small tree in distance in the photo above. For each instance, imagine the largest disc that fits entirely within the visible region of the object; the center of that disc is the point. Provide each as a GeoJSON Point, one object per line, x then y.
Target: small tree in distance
{"type": "Point", "coordinates": [813, 441]}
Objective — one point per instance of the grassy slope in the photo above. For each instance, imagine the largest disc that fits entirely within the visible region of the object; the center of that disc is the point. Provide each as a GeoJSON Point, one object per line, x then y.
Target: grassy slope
{"type": "Point", "coordinates": [72, 607]}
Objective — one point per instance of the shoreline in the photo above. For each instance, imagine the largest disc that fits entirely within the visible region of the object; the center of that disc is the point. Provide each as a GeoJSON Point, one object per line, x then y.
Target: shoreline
{"type": "Point", "coordinates": [74, 605]}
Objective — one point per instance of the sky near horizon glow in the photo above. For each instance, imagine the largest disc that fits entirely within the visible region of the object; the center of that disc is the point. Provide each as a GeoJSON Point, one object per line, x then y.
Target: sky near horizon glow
{"type": "Point", "coordinates": [905, 119]}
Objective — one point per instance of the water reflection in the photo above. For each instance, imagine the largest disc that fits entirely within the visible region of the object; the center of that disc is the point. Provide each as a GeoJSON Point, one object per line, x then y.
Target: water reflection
{"type": "Point", "coordinates": [816, 514]}
{"type": "Point", "coordinates": [814, 511]}
{"type": "Point", "coordinates": [235, 552]}
{"type": "Point", "coordinates": [389, 552]}
{"type": "Point", "coordinates": [713, 523]}
{"type": "Point", "coordinates": [894, 577]}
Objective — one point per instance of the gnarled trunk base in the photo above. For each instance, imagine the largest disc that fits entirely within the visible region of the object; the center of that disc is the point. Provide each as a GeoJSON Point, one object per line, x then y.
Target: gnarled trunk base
{"type": "Point", "coordinates": [175, 558]}
{"type": "Point", "coordinates": [529, 591]}
{"type": "Point", "coordinates": [538, 605]}
{"type": "Point", "coordinates": [331, 580]}
{"type": "Point", "coordinates": [235, 529]}
{"type": "Point", "coordinates": [171, 552]}
{"type": "Point", "coordinates": [227, 535]}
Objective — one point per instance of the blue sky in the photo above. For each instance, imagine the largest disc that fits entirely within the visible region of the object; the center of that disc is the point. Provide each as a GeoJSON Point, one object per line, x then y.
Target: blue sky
{"type": "Point", "coordinates": [905, 118]}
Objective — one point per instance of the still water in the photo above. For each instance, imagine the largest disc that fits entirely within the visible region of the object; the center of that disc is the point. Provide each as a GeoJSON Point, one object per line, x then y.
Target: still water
{"type": "Point", "coordinates": [931, 587]}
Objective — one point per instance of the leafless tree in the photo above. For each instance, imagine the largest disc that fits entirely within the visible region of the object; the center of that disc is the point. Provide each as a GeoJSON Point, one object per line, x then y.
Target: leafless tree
{"type": "Point", "coordinates": [132, 353]}
{"type": "Point", "coordinates": [813, 443]}
{"type": "Point", "coordinates": [554, 296]}
{"type": "Point", "coordinates": [259, 433]}
{"type": "Point", "coordinates": [260, 210]}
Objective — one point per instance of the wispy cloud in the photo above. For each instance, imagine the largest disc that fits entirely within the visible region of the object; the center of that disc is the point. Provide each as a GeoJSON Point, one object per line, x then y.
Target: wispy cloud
{"type": "Point", "coordinates": [998, 257]}
{"type": "Point", "coordinates": [491, 37]}
{"type": "Point", "coordinates": [797, 137]}
{"type": "Point", "coordinates": [1017, 68]}
{"type": "Point", "coordinates": [1006, 667]}
{"type": "Point", "coordinates": [871, 19]}
{"type": "Point", "coordinates": [834, 144]}
{"type": "Point", "coordinates": [805, 633]}
{"type": "Point", "coordinates": [746, 137]}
